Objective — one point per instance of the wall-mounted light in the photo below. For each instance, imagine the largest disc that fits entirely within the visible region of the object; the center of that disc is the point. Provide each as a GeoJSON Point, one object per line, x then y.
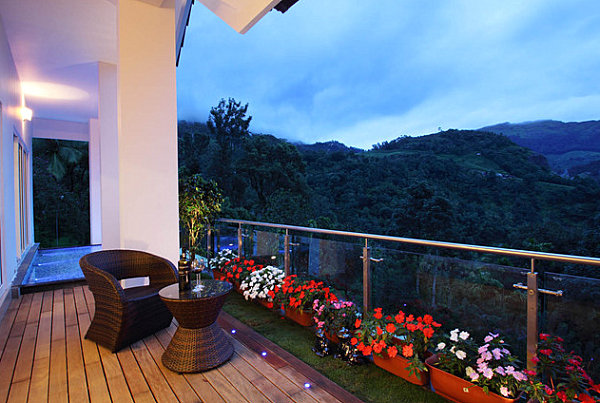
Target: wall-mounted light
{"type": "Point", "coordinates": [26, 113]}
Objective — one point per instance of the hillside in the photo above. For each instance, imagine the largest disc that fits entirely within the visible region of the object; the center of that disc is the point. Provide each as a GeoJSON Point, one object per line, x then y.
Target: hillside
{"type": "Point", "coordinates": [569, 147]}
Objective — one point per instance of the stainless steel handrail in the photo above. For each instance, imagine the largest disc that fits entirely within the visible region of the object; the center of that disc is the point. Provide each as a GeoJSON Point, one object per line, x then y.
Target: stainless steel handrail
{"type": "Point", "coordinates": [440, 244]}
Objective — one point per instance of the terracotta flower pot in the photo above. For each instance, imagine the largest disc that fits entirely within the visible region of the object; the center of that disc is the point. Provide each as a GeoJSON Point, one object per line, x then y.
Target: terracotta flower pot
{"type": "Point", "coordinates": [300, 317]}
{"type": "Point", "coordinates": [265, 303]}
{"type": "Point", "coordinates": [457, 389]}
{"type": "Point", "coordinates": [398, 366]}
{"type": "Point", "coordinates": [332, 337]}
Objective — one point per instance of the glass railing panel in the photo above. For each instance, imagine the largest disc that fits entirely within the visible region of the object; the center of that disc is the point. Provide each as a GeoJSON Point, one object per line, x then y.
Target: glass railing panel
{"type": "Point", "coordinates": [575, 316]}
{"type": "Point", "coordinates": [268, 246]}
{"type": "Point", "coordinates": [470, 295]}
{"type": "Point", "coordinates": [333, 261]}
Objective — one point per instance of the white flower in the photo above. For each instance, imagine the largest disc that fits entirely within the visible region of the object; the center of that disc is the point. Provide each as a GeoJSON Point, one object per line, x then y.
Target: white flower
{"type": "Point", "coordinates": [464, 335]}
{"type": "Point", "coordinates": [469, 371]}
{"type": "Point", "coordinates": [504, 391]}
{"type": "Point", "coordinates": [454, 335]}
{"type": "Point", "coordinates": [461, 355]}
{"type": "Point", "coordinates": [441, 346]}
{"type": "Point", "coordinates": [453, 349]}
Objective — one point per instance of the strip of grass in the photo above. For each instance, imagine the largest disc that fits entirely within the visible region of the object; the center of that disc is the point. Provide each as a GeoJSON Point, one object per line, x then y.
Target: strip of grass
{"type": "Point", "coordinates": [369, 382]}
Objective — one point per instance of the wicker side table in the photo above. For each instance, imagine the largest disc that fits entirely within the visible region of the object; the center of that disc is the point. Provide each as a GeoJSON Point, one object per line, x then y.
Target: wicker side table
{"type": "Point", "coordinates": [199, 343]}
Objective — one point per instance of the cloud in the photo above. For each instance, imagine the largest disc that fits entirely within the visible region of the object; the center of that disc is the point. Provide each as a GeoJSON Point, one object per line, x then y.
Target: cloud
{"type": "Point", "coordinates": [363, 72]}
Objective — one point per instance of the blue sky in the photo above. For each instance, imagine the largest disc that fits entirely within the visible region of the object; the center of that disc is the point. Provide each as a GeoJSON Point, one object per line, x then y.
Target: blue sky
{"type": "Point", "coordinates": [362, 72]}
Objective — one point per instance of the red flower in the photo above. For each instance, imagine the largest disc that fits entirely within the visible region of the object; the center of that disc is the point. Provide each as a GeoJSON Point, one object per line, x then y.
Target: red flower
{"type": "Point", "coordinates": [544, 336]}
{"type": "Point", "coordinates": [251, 262]}
{"type": "Point", "coordinates": [392, 351]}
{"type": "Point", "coordinates": [237, 275]}
{"type": "Point", "coordinates": [399, 317]}
{"type": "Point", "coordinates": [562, 396]}
{"type": "Point", "coordinates": [357, 323]}
{"type": "Point", "coordinates": [428, 332]}
{"type": "Point", "coordinates": [435, 324]}
{"type": "Point", "coordinates": [377, 348]}
{"type": "Point", "coordinates": [546, 351]}
{"type": "Point", "coordinates": [353, 341]}
{"type": "Point", "coordinates": [548, 390]}
{"type": "Point", "coordinates": [410, 318]}
{"type": "Point", "coordinates": [407, 350]}
{"type": "Point", "coordinates": [390, 328]}
{"type": "Point", "coordinates": [378, 314]}
{"type": "Point", "coordinates": [292, 300]}
{"type": "Point", "coordinates": [360, 346]}
{"type": "Point", "coordinates": [535, 360]}
{"type": "Point", "coordinates": [585, 398]}
{"type": "Point", "coordinates": [379, 331]}
{"type": "Point", "coordinates": [367, 350]}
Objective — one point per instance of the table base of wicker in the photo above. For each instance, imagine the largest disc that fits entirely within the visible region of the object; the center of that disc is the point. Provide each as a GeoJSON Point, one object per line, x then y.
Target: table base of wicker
{"type": "Point", "coordinates": [195, 350]}
{"type": "Point", "coordinates": [198, 344]}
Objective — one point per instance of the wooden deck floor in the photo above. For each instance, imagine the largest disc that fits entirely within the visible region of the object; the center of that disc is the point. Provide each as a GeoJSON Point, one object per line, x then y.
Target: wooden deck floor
{"type": "Point", "coordinates": [44, 357]}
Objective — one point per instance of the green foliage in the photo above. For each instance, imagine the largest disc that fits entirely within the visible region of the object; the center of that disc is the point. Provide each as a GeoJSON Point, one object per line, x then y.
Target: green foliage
{"type": "Point", "coordinates": [61, 193]}
{"type": "Point", "coordinates": [199, 202]}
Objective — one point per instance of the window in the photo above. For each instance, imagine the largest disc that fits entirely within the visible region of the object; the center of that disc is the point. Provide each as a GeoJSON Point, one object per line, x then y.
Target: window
{"type": "Point", "coordinates": [21, 196]}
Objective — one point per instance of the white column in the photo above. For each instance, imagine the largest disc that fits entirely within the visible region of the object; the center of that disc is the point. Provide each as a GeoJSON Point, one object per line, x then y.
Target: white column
{"type": "Point", "coordinates": [147, 128]}
{"type": "Point", "coordinates": [109, 156]}
{"type": "Point", "coordinates": [95, 187]}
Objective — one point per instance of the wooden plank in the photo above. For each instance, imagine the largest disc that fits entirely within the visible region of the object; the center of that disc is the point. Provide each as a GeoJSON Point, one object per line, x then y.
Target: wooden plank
{"type": "Point", "coordinates": [18, 392]}
{"type": "Point", "coordinates": [134, 377]}
{"type": "Point", "coordinates": [257, 379]}
{"type": "Point", "coordinates": [197, 381]}
{"type": "Point", "coordinates": [178, 383]}
{"type": "Point", "coordinates": [38, 389]}
{"type": "Point", "coordinates": [117, 386]}
{"type": "Point", "coordinates": [298, 394]}
{"type": "Point", "coordinates": [7, 365]}
{"type": "Point", "coordinates": [7, 322]}
{"type": "Point", "coordinates": [78, 388]}
{"type": "Point", "coordinates": [242, 384]}
{"type": "Point", "coordinates": [160, 387]}
{"type": "Point", "coordinates": [20, 322]}
{"type": "Point", "coordinates": [58, 389]}
{"type": "Point", "coordinates": [316, 378]}
{"type": "Point", "coordinates": [25, 359]}
{"type": "Point", "coordinates": [35, 309]}
{"type": "Point", "coordinates": [317, 392]}
{"type": "Point", "coordinates": [96, 379]}
{"type": "Point", "coordinates": [97, 383]}
{"type": "Point", "coordinates": [221, 385]}
{"type": "Point", "coordinates": [70, 313]}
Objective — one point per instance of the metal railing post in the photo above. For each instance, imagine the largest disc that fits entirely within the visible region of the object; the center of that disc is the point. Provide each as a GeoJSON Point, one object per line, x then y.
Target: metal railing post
{"type": "Point", "coordinates": [366, 258]}
{"type": "Point", "coordinates": [532, 316]}
{"type": "Point", "coordinates": [240, 244]}
{"type": "Point", "coordinates": [286, 253]}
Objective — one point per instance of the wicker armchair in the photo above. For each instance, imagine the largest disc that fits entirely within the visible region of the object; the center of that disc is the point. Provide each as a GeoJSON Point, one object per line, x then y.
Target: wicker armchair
{"type": "Point", "coordinates": [123, 316]}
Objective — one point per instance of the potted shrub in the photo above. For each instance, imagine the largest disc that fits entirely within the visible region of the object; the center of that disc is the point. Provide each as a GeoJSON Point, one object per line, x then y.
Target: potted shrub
{"type": "Point", "coordinates": [199, 203]}
{"type": "Point", "coordinates": [334, 317]}
{"type": "Point", "coordinates": [260, 283]}
{"type": "Point", "coordinates": [398, 344]}
{"type": "Point", "coordinates": [464, 372]}
{"type": "Point", "coordinates": [296, 298]}
{"type": "Point", "coordinates": [559, 376]}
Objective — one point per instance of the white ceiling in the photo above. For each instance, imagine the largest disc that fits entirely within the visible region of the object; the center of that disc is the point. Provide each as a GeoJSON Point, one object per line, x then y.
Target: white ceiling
{"type": "Point", "coordinates": [60, 42]}
{"type": "Point", "coordinates": [57, 44]}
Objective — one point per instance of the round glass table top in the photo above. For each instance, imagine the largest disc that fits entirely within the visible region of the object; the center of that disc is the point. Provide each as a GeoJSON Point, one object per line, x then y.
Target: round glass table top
{"type": "Point", "coordinates": [199, 290]}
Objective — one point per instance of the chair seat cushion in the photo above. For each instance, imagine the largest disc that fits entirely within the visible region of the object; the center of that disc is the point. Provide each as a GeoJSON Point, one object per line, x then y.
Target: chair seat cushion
{"type": "Point", "coordinates": [134, 294]}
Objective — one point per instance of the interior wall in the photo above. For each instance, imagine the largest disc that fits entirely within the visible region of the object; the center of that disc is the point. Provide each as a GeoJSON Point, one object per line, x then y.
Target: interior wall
{"type": "Point", "coordinates": [11, 98]}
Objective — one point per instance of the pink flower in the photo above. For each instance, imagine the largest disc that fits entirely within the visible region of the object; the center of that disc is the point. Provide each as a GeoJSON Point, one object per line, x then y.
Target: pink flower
{"type": "Point", "coordinates": [488, 373]}
{"type": "Point", "coordinates": [474, 376]}
{"type": "Point", "coordinates": [483, 348]}
{"type": "Point", "coordinates": [497, 353]}
{"type": "Point", "coordinates": [500, 370]}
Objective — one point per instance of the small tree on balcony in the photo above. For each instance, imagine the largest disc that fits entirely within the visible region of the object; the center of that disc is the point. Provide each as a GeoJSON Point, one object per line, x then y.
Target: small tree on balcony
{"type": "Point", "coordinates": [199, 203]}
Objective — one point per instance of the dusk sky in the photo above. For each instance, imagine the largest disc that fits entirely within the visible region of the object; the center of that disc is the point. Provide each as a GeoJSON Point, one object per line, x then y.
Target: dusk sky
{"type": "Point", "coordinates": [362, 72]}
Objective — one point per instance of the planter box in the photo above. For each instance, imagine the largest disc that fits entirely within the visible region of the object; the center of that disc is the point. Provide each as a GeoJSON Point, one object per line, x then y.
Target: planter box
{"type": "Point", "coordinates": [265, 303]}
{"type": "Point", "coordinates": [398, 366]}
{"type": "Point", "coordinates": [332, 337]}
{"type": "Point", "coordinates": [300, 317]}
{"type": "Point", "coordinates": [457, 389]}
